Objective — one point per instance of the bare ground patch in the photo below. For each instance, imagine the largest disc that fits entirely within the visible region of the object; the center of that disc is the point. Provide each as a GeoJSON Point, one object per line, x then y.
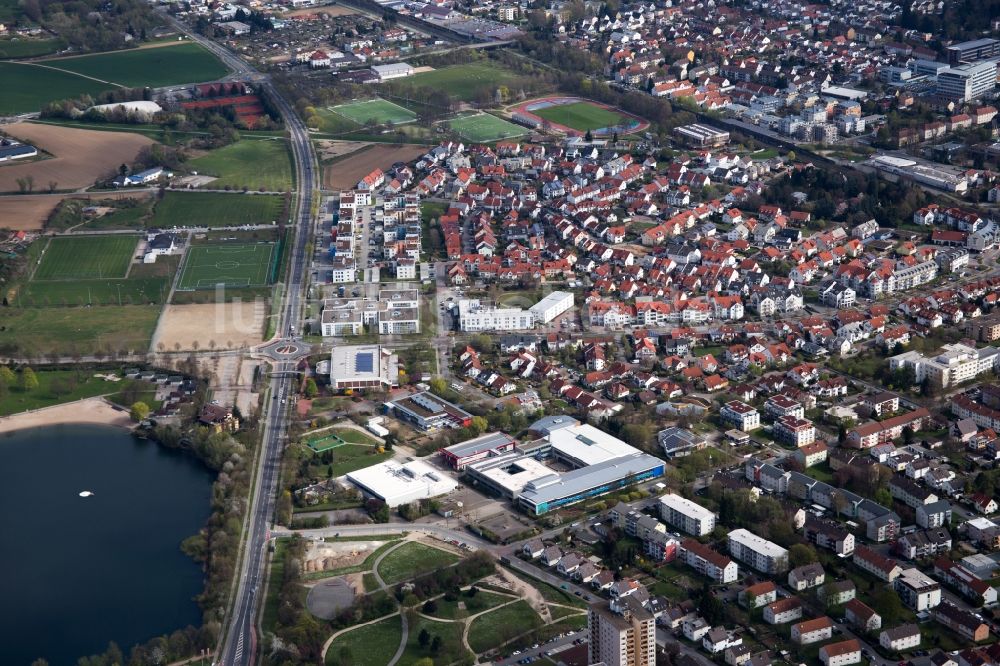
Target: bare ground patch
{"type": "Point", "coordinates": [346, 173]}
{"type": "Point", "coordinates": [29, 212]}
{"type": "Point", "coordinates": [81, 156]}
{"type": "Point", "coordinates": [227, 325]}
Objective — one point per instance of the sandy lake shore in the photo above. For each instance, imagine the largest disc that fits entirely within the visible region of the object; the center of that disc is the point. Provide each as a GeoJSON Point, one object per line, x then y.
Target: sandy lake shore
{"type": "Point", "coordinates": [90, 410]}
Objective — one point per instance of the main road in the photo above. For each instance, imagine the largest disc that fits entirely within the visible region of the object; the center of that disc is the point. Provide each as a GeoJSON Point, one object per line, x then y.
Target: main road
{"type": "Point", "coordinates": [240, 639]}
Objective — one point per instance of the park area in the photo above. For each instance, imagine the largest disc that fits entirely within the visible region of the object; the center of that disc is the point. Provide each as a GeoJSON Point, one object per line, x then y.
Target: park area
{"type": "Point", "coordinates": [484, 128]}
{"type": "Point", "coordinates": [29, 86]}
{"type": "Point", "coordinates": [504, 624]}
{"type": "Point", "coordinates": [378, 111]}
{"type": "Point", "coordinates": [369, 645]}
{"type": "Point", "coordinates": [335, 437]}
{"type": "Point", "coordinates": [228, 264]}
{"type": "Point", "coordinates": [463, 82]}
{"type": "Point", "coordinates": [252, 163]}
{"type": "Point", "coordinates": [216, 209]}
{"type": "Point", "coordinates": [413, 559]}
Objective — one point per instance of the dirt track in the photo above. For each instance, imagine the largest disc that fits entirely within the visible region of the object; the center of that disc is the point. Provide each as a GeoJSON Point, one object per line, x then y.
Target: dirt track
{"type": "Point", "coordinates": [348, 171]}
{"type": "Point", "coordinates": [80, 156]}
{"type": "Point", "coordinates": [228, 325]}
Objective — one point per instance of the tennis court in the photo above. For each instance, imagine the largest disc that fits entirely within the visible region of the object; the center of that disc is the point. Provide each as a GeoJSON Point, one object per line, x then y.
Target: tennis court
{"type": "Point", "coordinates": [228, 264]}
{"type": "Point", "coordinates": [483, 127]}
{"type": "Point", "coordinates": [375, 110]}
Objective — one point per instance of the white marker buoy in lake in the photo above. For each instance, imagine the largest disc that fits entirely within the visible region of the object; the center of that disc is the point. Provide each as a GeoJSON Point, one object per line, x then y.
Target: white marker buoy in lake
{"type": "Point", "coordinates": [86, 493]}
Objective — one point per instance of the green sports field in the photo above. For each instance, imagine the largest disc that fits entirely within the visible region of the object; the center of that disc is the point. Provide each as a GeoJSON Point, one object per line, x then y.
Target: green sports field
{"type": "Point", "coordinates": [184, 62]}
{"type": "Point", "coordinates": [483, 128]}
{"type": "Point", "coordinates": [375, 110]}
{"type": "Point", "coordinates": [253, 164]}
{"type": "Point", "coordinates": [84, 257]}
{"type": "Point", "coordinates": [229, 264]}
{"type": "Point", "coordinates": [215, 209]}
{"type": "Point", "coordinates": [581, 116]}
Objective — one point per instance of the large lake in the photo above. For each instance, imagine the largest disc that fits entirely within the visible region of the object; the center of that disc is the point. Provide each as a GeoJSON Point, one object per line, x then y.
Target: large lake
{"type": "Point", "coordinates": [76, 573]}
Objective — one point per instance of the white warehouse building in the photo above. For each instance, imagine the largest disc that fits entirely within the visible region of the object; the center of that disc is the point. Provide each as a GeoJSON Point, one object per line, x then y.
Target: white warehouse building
{"type": "Point", "coordinates": [397, 484]}
{"type": "Point", "coordinates": [552, 306]}
{"type": "Point", "coordinates": [395, 70]}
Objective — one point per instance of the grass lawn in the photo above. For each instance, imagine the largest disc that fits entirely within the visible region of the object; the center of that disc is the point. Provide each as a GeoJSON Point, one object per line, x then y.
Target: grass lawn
{"type": "Point", "coordinates": [411, 560]}
{"type": "Point", "coordinates": [552, 593]}
{"type": "Point", "coordinates": [55, 387]}
{"type": "Point", "coordinates": [127, 214]}
{"type": "Point", "coordinates": [370, 582]}
{"type": "Point", "coordinates": [483, 128]}
{"type": "Point", "coordinates": [502, 625]}
{"type": "Point", "coordinates": [251, 164]}
{"type": "Point", "coordinates": [185, 62]}
{"type": "Point", "coordinates": [451, 640]}
{"type": "Point", "coordinates": [375, 110]}
{"type": "Point", "coordinates": [370, 645]}
{"type": "Point", "coordinates": [464, 82]}
{"type": "Point", "coordinates": [28, 48]}
{"type": "Point", "coordinates": [352, 436]}
{"type": "Point", "coordinates": [78, 330]}
{"type": "Point", "coordinates": [216, 209]}
{"type": "Point", "coordinates": [352, 457]}
{"type": "Point", "coordinates": [232, 264]}
{"type": "Point", "coordinates": [74, 258]}
{"type": "Point", "coordinates": [269, 616]}
{"type": "Point", "coordinates": [821, 472]}
{"type": "Point", "coordinates": [484, 600]}
{"type": "Point", "coordinates": [582, 116]}
{"type": "Point", "coordinates": [27, 88]}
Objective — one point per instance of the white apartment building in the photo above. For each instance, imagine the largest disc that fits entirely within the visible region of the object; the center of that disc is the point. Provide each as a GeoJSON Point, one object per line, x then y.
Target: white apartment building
{"type": "Point", "coordinates": [707, 562]}
{"type": "Point", "coordinates": [395, 312]}
{"type": "Point", "coordinates": [552, 306]}
{"type": "Point", "coordinates": [759, 553]}
{"type": "Point", "coordinates": [956, 363]}
{"type": "Point", "coordinates": [793, 430]}
{"type": "Point", "coordinates": [686, 515]}
{"type": "Point", "coordinates": [622, 633]}
{"type": "Point", "coordinates": [918, 590]}
{"type": "Point", "coordinates": [812, 631]}
{"type": "Point", "coordinates": [740, 415]}
{"type": "Point", "coordinates": [841, 654]}
{"type": "Point", "coordinates": [908, 277]}
{"type": "Point", "coordinates": [474, 316]}
{"type": "Point", "coordinates": [967, 82]}
{"type": "Point", "coordinates": [900, 639]}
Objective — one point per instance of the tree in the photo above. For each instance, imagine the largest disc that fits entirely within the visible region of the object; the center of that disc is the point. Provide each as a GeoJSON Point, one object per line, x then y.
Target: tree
{"type": "Point", "coordinates": [29, 381]}
{"type": "Point", "coordinates": [430, 607]}
{"type": "Point", "coordinates": [800, 554]}
{"type": "Point", "coordinates": [311, 390]}
{"type": "Point", "coordinates": [479, 425]}
{"type": "Point", "coordinates": [7, 375]}
{"type": "Point", "coordinates": [424, 638]}
{"type": "Point", "coordinates": [139, 411]}
{"type": "Point", "coordinates": [438, 385]}
{"type": "Point", "coordinates": [436, 645]}
{"type": "Point", "coordinates": [887, 604]}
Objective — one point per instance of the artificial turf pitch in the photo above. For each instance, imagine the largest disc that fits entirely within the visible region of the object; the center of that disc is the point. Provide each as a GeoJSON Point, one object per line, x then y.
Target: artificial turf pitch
{"type": "Point", "coordinates": [231, 265]}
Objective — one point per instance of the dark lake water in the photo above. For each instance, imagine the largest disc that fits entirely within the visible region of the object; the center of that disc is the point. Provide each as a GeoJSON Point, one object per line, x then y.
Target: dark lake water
{"type": "Point", "coordinates": [76, 573]}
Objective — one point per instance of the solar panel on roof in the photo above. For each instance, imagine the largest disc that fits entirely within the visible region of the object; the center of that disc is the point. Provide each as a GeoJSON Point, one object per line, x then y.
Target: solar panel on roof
{"type": "Point", "coordinates": [364, 362]}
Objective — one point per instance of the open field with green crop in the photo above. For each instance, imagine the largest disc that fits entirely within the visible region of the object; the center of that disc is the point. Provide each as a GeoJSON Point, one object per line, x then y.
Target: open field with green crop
{"type": "Point", "coordinates": [215, 209]}
{"type": "Point", "coordinates": [376, 110]}
{"type": "Point", "coordinates": [251, 164]}
{"type": "Point", "coordinates": [28, 48]}
{"type": "Point", "coordinates": [54, 387]}
{"type": "Point", "coordinates": [27, 88]}
{"type": "Point", "coordinates": [484, 128]}
{"type": "Point", "coordinates": [77, 330]}
{"type": "Point", "coordinates": [581, 116]}
{"type": "Point", "coordinates": [83, 257]}
{"type": "Point", "coordinates": [495, 628]}
{"type": "Point", "coordinates": [464, 82]}
{"type": "Point", "coordinates": [370, 645]}
{"type": "Point", "coordinates": [411, 560]}
{"type": "Point", "coordinates": [231, 264]}
{"type": "Point", "coordinates": [184, 62]}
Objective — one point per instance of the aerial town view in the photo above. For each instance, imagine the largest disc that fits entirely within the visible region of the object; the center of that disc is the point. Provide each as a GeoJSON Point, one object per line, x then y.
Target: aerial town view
{"type": "Point", "coordinates": [555, 332]}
